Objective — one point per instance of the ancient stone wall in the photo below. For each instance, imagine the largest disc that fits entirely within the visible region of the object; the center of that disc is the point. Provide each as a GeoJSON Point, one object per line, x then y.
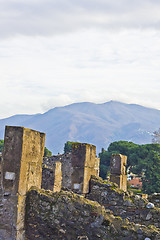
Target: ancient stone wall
{"type": "Point", "coordinates": [66, 215]}
{"type": "Point", "coordinates": [155, 198]}
{"type": "Point", "coordinates": [52, 177]}
{"type": "Point", "coordinates": [83, 162]}
{"type": "Point", "coordinates": [21, 166]}
{"type": "Point", "coordinates": [77, 168]}
{"type": "Point", "coordinates": [66, 168]}
{"type": "Point", "coordinates": [134, 208]}
{"type": "Point", "coordinates": [118, 170]}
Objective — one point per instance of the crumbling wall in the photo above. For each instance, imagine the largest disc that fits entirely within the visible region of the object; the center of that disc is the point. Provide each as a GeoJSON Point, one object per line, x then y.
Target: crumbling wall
{"type": "Point", "coordinates": [66, 168]}
{"type": "Point", "coordinates": [83, 162]}
{"type": "Point", "coordinates": [118, 170]}
{"type": "Point", "coordinates": [133, 208]}
{"type": "Point", "coordinates": [155, 198]}
{"type": "Point", "coordinates": [22, 168]}
{"type": "Point", "coordinates": [77, 168]}
{"type": "Point", "coordinates": [66, 215]}
{"type": "Point", "coordinates": [52, 176]}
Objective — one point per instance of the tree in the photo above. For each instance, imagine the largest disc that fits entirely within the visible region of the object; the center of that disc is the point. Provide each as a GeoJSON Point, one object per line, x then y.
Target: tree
{"type": "Point", "coordinates": [105, 157]}
{"type": "Point", "coordinates": [143, 160]}
{"type": "Point", "coordinates": [47, 153]}
{"type": "Point", "coordinates": [1, 145]}
{"type": "Point", "coordinates": [68, 146]}
{"type": "Point", "coordinates": [151, 179]}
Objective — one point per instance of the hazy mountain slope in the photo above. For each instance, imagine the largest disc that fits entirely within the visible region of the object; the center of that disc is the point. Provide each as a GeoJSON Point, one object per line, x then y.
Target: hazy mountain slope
{"type": "Point", "coordinates": [97, 124]}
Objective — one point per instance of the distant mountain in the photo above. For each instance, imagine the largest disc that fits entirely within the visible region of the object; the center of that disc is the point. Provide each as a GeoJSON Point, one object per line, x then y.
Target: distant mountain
{"type": "Point", "coordinates": [98, 124]}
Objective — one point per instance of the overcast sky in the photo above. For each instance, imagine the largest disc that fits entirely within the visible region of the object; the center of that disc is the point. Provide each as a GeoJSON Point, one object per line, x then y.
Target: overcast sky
{"type": "Point", "coordinates": [56, 52]}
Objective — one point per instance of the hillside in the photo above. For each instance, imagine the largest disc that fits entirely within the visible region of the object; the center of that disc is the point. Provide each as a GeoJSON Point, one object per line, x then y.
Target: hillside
{"type": "Point", "coordinates": [98, 124]}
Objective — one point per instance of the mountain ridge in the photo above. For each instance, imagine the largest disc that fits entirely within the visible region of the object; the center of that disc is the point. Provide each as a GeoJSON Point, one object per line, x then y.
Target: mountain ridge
{"type": "Point", "coordinates": [98, 124]}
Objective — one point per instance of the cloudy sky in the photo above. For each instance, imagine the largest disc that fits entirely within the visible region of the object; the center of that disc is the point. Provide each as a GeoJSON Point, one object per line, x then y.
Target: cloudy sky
{"type": "Point", "coordinates": [56, 52]}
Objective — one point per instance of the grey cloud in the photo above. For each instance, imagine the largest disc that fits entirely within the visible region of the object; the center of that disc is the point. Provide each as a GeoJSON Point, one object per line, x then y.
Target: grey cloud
{"type": "Point", "coordinates": [50, 17]}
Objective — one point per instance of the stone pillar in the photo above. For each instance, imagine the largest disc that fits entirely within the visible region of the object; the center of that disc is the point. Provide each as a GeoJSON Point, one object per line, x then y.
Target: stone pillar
{"type": "Point", "coordinates": [96, 167]}
{"type": "Point", "coordinates": [118, 170]}
{"type": "Point", "coordinates": [52, 177]}
{"type": "Point", "coordinates": [22, 168]}
{"type": "Point", "coordinates": [83, 163]}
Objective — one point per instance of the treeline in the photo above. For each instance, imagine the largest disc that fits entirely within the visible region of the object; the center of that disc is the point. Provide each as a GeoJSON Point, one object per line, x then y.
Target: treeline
{"type": "Point", "coordinates": [142, 160]}
{"type": "Point", "coordinates": [1, 145]}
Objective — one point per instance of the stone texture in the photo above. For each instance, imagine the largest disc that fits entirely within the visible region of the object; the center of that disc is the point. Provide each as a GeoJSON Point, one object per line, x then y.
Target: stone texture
{"type": "Point", "coordinates": [118, 170]}
{"type": "Point", "coordinates": [60, 214]}
{"type": "Point", "coordinates": [69, 216]}
{"type": "Point", "coordinates": [52, 177]}
{"type": "Point", "coordinates": [118, 164]}
{"type": "Point", "coordinates": [84, 165]}
{"type": "Point", "coordinates": [66, 167]}
{"type": "Point", "coordinates": [96, 167]}
{"type": "Point", "coordinates": [77, 168]}
{"type": "Point", "coordinates": [21, 166]}
{"type": "Point", "coordinates": [133, 208]}
{"type": "Point", "coordinates": [155, 199]}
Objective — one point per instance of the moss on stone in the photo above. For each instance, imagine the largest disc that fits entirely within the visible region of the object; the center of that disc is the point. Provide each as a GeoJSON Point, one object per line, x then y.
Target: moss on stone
{"type": "Point", "coordinates": [87, 216]}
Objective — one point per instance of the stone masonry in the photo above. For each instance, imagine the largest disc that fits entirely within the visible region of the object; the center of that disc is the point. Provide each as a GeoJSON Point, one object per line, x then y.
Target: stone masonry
{"type": "Point", "coordinates": [22, 168]}
{"type": "Point", "coordinates": [136, 209]}
{"type": "Point", "coordinates": [118, 169]}
{"type": "Point", "coordinates": [83, 163]}
{"type": "Point", "coordinates": [102, 209]}
{"type": "Point", "coordinates": [66, 168]}
{"type": "Point", "coordinates": [77, 168]}
{"type": "Point", "coordinates": [52, 177]}
{"type": "Point", "coordinates": [66, 215]}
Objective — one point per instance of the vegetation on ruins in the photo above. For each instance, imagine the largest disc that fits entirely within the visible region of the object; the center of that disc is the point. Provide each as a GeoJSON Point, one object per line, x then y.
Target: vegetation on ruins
{"type": "Point", "coordinates": [68, 146]}
{"type": "Point", "coordinates": [143, 160]}
{"type": "Point", "coordinates": [1, 145]}
{"type": "Point", "coordinates": [47, 153]}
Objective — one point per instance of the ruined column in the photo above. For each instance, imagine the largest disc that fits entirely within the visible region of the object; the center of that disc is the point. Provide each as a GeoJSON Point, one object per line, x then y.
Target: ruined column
{"type": "Point", "coordinates": [83, 163]}
{"type": "Point", "coordinates": [22, 168]}
{"type": "Point", "coordinates": [96, 167]}
{"type": "Point", "coordinates": [52, 177]}
{"type": "Point", "coordinates": [118, 170]}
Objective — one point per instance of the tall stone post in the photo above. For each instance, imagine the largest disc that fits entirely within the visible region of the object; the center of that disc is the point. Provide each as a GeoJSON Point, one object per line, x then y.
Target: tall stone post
{"type": "Point", "coordinates": [83, 163]}
{"type": "Point", "coordinates": [118, 170]}
{"type": "Point", "coordinates": [22, 168]}
{"type": "Point", "coordinates": [96, 167]}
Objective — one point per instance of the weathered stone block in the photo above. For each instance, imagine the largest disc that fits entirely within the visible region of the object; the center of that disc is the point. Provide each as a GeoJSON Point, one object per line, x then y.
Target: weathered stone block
{"type": "Point", "coordinates": [83, 162]}
{"type": "Point", "coordinates": [83, 155]}
{"type": "Point", "coordinates": [21, 166]}
{"type": "Point", "coordinates": [118, 164]}
{"type": "Point", "coordinates": [52, 177]}
{"type": "Point", "coordinates": [120, 180]}
{"type": "Point", "coordinates": [96, 167]}
{"type": "Point", "coordinates": [118, 170]}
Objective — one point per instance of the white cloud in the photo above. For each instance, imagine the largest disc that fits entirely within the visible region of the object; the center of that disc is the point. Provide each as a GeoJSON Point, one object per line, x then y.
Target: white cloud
{"type": "Point", "coordinates": [53, 53]}
{"type": "Point", "coordinates": [48, 17]}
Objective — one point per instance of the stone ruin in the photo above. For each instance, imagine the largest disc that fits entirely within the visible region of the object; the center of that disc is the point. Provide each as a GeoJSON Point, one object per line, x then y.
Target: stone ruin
{"type": "Point", "coordinates": [118, 170]}
{"type": "Point", "coordinates": [21, 169]}
{"type": "Point", "coordinates": [77, 168]}
{"type": "Point", "coordinates": [58, 212]}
